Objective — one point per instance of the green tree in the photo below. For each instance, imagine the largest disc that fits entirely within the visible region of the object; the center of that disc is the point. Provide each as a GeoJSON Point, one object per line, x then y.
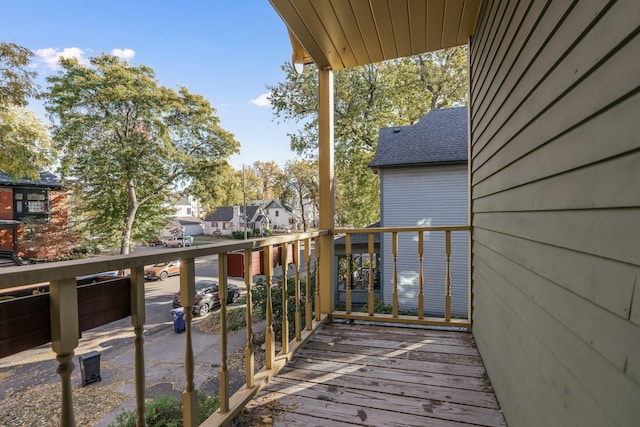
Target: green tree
{"type": "Point", "coordinates": [17, 81]}
{"type": "Point", "coordinates": [270, 176]}
{"type": "Point", "coordinates": [367, 98]}
{"type": "Point", "coordinates": [25, 144]}
{"type": "Point", "coordinates": [224, 187]}
{"type": "Point", "coordinates": [127, 142]}
{"type": "Point", "coordinates": [299, 184]}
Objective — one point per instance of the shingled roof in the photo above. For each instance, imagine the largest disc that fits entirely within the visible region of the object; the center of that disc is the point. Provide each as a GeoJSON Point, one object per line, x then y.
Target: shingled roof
{"type": "Point", "coordinates": [439, 137]}
{"type": "Point", "coordinates": [47, 180]}
{"type": "Point", "coordinates": [225, 213]}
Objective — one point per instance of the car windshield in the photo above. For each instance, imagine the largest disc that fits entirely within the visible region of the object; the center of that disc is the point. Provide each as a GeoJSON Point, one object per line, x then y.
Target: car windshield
{"type": "Point", "coordinates": [160, 264]}
{"type": "Point", "coordinates": [204, 284]}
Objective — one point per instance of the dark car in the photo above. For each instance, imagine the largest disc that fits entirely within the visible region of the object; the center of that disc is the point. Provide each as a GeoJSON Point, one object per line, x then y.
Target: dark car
{"type": "Point", "coordinates": [207, 296]}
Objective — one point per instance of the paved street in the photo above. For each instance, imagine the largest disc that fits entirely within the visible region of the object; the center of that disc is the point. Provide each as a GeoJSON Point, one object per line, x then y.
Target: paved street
{"type": "Point", "coordinates": [33, 373]}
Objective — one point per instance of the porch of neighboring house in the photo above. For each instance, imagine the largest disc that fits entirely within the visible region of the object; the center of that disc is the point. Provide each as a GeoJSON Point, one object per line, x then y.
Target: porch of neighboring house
{"type": "Point", "coordinates": [348, 374]}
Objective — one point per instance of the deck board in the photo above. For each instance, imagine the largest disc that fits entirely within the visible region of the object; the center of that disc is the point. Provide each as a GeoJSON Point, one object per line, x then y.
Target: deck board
{"type": "Point", "coordinates": [381, 376]}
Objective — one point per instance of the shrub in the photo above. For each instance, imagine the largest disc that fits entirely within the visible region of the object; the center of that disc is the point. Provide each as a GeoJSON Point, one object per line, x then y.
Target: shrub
{"type": "Point", "coordinates": [166, 411]}
{"type": "Point", "coordinates": [238, 235]}
{"type": "Point", "coordinates": [259, 295]}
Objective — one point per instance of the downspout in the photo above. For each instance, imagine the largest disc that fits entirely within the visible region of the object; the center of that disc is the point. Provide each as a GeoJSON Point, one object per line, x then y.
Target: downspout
{"type": "Point", "coordinates": [326, 177]}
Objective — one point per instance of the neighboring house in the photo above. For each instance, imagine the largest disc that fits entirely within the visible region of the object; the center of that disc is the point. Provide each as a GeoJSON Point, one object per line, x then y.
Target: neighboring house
{"type": "Point", "coordinates": [310, 212]}
{"type": "Point", "coordinates": [227, 219]}
{"type": "Point", "coordinates": [187, 206]}
{"type": "Point", "coordinates": [281, 216]}
{"type": "Point", "coordinates": [424, 182]}
{"type": "Point", "coordinates": [190, 225]}
{"type": "Point", "coordinates": [31, 213]}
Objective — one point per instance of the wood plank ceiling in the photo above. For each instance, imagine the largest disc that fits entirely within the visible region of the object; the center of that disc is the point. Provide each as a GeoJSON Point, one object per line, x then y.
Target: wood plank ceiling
{"type": "Point", "coordinates": [336, 34]}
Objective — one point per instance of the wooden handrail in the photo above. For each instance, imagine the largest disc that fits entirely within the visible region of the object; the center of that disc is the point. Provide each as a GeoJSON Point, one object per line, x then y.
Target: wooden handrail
{"type": "Point", "coordinates": [11, 277]}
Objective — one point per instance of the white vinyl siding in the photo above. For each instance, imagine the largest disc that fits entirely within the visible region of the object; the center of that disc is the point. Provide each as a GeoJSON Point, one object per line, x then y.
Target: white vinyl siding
{"type": "Point", "coordinates": [425, 196]}
{"type": "Point", "coordinates": [556, 209]}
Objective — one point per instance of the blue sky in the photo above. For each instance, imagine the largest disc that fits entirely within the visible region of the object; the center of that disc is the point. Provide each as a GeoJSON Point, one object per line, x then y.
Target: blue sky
{"type": "Point", "coordinates": [226, 50]}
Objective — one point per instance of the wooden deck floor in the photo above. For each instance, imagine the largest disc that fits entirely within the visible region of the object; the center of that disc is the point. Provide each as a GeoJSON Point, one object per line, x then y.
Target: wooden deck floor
{"type": "Point", "coordinates": [350, 375]}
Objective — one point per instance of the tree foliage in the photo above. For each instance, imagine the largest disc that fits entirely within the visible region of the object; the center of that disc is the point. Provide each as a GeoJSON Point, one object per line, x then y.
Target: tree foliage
{"type": "Point", "coordinates": [127, 142]}
{"type": "Point", "coordinates": [17, 81]}
{"type": "Point", "coordinates": [25, 144]}
{"type": "Point", "coordinates": [270, 175]}
{"type": "Point", "coordinates": [299, 184]}
{"type": "Point", "coordinates": [225, 187]}
{"type": "Point", "coordinates": [367, 98]}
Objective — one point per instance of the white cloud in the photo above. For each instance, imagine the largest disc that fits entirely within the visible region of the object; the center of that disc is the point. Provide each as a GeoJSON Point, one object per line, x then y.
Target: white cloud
{"type": "Point", "coordinates": [50, 56]}
{"type": "Point", "coordinates": [262, 100]}
{"type": "Point", "coordinates": [124, 54]}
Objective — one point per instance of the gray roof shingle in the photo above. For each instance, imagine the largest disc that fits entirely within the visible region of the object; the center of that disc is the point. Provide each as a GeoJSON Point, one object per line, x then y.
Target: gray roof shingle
{"type": "Point", "coordinates": [47, 179]}
{"type": "Point", "coordinates": [439, 137]}
{"type": "Point", "coordinates": [225, 213]}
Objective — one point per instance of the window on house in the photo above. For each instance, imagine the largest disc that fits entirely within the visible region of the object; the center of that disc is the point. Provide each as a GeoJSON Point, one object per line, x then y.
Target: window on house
{"type": "Point", "coordinates": [225, 225]}
{"type": "Point", "coordinates": [188, 211]}
{"type": "Point", "coordinates": [29, 202]}
{"type": "Point", "coordinates": [277, 213]}
{"type": "Point", "coordinates": [214, 223]}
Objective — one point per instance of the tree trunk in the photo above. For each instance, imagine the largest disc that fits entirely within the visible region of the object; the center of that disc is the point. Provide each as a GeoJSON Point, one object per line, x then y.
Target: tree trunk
{"type": "Point", "coordinates": [132, 208]}
{"type": "Point", "coordinates": [304, 220]}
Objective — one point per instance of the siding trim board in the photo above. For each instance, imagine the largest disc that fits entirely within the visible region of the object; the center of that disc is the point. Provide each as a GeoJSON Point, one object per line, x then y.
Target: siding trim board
{"type": "Point", "coordinates": [498, 74]}
{"type": "Point", "coordinates": [589, 279]}
{"type": "Point", "coordinates": [583, 141]}
{"type": "Point", "coordinates": [546, 53]}
{"type": "Point", "coordinates": [596, 377]}
{"type": "Point", "coordinates": [616, 69]}
{"type": "Point", "coordinates": [555, 209]}
{"type": "Point", "coordinates": [512, 28]}
{"type": "Point", "coordinates": [601, 187]}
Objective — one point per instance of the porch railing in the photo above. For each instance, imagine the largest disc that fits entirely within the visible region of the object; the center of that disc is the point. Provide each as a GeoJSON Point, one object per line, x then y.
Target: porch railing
{"type": "Point", "coordinates": [65, 326]}
{"type": "Point", "coordinates": [389, 243]}
{"type": "Point", "coordinates": [297, 253]}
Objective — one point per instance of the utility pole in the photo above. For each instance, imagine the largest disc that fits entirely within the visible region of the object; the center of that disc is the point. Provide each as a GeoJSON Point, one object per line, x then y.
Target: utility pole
{"type": "Point", "coordinates": [244, 202]}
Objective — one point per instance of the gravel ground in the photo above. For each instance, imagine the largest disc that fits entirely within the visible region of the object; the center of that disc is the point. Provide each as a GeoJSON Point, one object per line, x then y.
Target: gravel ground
{"type": "Point", "coordinates": [30, 393]}
{"type": "Point", "coordinates": [40, 405]}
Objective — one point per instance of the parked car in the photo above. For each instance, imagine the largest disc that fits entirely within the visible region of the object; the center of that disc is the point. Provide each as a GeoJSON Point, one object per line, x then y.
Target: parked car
{"type": "Point", "coordinates": [177, 242]}
{"type": "Point", "coordinates": [154, 242]}
{"type": "Point", "coordinates": [207, 296]}
{"type": "Point", "coordinates": [162, 270]}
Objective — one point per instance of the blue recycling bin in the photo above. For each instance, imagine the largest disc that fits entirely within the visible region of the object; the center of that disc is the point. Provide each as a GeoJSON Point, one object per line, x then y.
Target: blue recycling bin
{"type": "Point", "coordinates": [179, 324]}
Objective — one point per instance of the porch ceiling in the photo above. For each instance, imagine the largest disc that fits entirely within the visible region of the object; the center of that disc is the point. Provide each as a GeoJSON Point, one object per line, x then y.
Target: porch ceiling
{"type": "Point", "coordinates": [336, 34]}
